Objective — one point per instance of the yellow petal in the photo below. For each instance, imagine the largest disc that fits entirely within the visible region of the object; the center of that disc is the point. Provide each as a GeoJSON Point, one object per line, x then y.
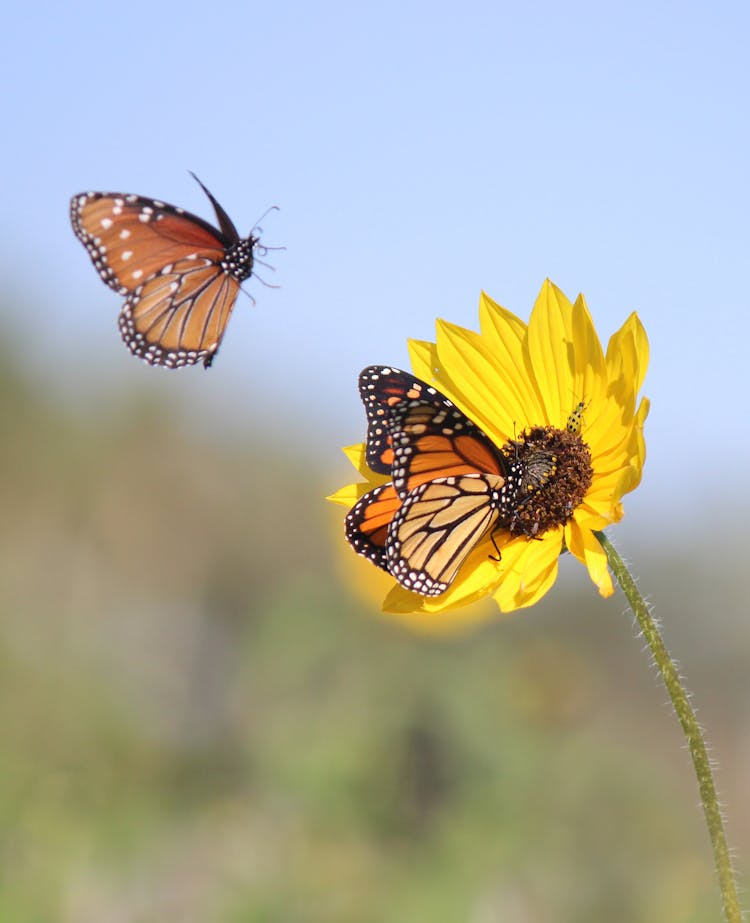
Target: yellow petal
{"type": "Point", "coordinates": [589, 383]}
{"type": "Point", "coordinates": [638, 453]}
{"type": "Point", "coordinates": [627, 361]}
{"type": "Point", "coordinates": [357, 456]}
{"type": "Point", "coordinates": [588, 517]}
{"type": "Point", "coordinates": [402, 606]}
{"type": "Point", "coordinates": [529, 570]}
{"type": "Point", "coordinates": [475, 382]}
{"type": "Point", "coordinates": [584, 545]}
{"type": "Point", "coordinates": [423, 356]}
{"type": "Point", "coordinates": [484, 385]}
{"type": "Point", "coordinates": [550, 354]}
{"type": "Point", "coordinates": [345, 496]}
{"type": "Point", "coordinates": [504, 334]}
{"type": "Point", "coordinates": [601, 502]}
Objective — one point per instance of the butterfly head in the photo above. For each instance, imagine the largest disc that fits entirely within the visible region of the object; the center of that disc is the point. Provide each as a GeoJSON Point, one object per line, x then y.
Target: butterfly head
{"type": "Point", "coordinates": [552, 473]}
{"type": "Point", "coordinates": [239, 258]}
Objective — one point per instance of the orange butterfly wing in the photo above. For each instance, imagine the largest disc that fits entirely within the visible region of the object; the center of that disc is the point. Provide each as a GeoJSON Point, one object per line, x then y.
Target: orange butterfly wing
{"type": "Point", "coordinates": [181, 276]}
{"type": "Point", "coordinates": [179, 316]}
{"type": "Point", "coordinates": [451, 485]}
{"type": "Point", "coordinates": [439, 525]}
{"type": "Point", "coordinates": [368, 521]}
{"type": "Point", "coordinates": [416, 434]}
{"type": "Point", "coordinates": [416, 528]}
{"type": "Point", "coordinates": [131, 238]}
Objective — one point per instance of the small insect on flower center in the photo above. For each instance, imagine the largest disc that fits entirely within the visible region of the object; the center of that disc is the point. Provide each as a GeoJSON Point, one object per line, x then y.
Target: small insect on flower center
{"type": "Point", "coordinates": [557, 474]}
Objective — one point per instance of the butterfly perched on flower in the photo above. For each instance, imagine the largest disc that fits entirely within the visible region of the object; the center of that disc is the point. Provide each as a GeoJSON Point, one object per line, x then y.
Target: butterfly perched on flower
{"type": "Point", "coordinates": [450, 485]}
{"type": "Point", "coordinates": [180, 275]}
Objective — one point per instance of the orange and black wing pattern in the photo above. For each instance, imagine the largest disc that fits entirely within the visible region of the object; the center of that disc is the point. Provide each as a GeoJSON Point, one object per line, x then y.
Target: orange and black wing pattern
{"type": "Point", "coordinates": [381, 388]}
{"type": "Point", "coordinates": [450, 485]}
{"type": "Point", "coordinates": [439, 524]}
{"type": "Point", "coordinates": [368, 521]}
{"type": "Point", "coordinates": [416, 434]}
{"type": "Point", "coordinates": [179, 275]}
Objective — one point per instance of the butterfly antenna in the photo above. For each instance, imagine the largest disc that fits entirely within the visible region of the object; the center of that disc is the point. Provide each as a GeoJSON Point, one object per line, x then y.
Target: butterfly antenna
{"type": "Point", "coordinates": [256, 226]}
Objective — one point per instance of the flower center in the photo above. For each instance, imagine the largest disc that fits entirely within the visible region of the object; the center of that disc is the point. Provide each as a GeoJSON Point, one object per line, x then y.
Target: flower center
{"type": "Point", "coordinates": [556, 475]}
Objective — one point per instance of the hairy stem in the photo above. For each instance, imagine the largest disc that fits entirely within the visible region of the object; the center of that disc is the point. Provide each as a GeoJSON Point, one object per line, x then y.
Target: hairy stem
{"type": "Point", "coordinates": [690, 727]}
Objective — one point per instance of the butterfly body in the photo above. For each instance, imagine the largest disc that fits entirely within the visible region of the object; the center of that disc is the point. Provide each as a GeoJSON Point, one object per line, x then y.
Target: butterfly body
{"type": "Point", "coordinates": [180, 275]}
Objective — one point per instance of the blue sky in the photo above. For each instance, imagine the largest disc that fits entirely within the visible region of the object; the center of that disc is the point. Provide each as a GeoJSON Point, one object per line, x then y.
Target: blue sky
{"type": "Point", "coordinates": [419, 152]}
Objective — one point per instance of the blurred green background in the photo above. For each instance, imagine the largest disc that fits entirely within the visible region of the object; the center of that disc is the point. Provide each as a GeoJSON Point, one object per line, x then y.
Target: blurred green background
{"type": "Point", "coordinates": [201, 720]}
{"type": "Point", "coordinates": [200, 723]}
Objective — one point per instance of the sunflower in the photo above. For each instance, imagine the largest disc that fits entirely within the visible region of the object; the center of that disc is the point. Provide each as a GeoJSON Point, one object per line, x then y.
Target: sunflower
{"type": "Point", "coordinates": [542, 389]}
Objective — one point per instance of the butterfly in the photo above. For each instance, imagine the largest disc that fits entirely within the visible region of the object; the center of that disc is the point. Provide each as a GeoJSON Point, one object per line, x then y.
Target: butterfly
{"type": "Point", "coordinates": [179, 275]}
{"type": "Point", "coordinates": [450, 485]}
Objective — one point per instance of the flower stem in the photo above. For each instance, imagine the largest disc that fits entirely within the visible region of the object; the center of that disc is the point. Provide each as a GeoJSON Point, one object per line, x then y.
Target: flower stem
{"type": "Point", "coordinates": [690, 727]}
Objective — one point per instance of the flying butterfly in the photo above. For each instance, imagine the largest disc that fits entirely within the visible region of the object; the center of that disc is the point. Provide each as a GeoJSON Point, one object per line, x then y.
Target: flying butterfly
{"type": "Point", "coordinates": [451, 486]}
{"type": "Point", "coordinates": [180, 275]}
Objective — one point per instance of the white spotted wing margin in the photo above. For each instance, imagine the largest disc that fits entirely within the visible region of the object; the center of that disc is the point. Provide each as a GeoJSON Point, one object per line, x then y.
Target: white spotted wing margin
{"type": "Point", "coordinates": [439, 524]}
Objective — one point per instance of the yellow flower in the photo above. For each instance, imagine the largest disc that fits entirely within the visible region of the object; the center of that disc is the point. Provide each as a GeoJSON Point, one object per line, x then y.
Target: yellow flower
{"type": "Point", "coordinates": [524, 385]}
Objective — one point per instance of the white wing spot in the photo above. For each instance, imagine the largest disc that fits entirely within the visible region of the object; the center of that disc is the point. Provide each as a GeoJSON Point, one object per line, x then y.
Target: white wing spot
{"type": "Point", "coordinates": [106, 223]}
{"type": "Point", "coordinates": [124, 234]}
{"type": "Point", "coordinates": [126, 254]}
{"type": "Point", "coordinates": [137, 274]}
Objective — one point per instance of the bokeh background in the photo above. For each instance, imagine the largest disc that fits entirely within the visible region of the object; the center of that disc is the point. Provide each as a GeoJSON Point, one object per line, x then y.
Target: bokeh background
{"type": "Point", "coordinates": [202, 716]}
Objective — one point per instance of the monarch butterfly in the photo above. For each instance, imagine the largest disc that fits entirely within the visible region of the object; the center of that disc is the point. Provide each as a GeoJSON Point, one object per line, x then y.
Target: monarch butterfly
{"type": "Point", "coordinates": [451, 486]}
{"type": "Point", "coordinates": [180, 275]}
{"type": "Point", "coordinates": [382, 389]}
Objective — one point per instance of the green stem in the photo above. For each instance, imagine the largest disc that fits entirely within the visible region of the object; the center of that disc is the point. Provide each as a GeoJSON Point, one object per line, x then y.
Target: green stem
{"type": "Point", "coordinates": [690, 727]}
